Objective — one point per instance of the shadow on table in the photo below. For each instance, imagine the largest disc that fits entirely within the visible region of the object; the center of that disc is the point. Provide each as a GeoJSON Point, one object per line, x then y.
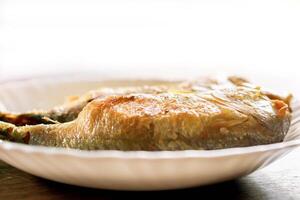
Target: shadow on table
{"type": "Point", "coordinates": [227, 190]}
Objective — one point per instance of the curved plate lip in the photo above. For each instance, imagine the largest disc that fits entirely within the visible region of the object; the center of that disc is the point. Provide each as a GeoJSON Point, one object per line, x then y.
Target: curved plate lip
{"type": "Point", "coordinates": [11, 146]}
{"type": "Point", "coordinates": [69, 77]}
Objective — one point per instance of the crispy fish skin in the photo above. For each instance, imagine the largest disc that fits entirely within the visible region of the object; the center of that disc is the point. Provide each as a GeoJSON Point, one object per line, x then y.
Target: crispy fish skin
{"type": "Point", "coordinates": [70, 110]}
{"type": "Point", "coordinates": [214, 116]}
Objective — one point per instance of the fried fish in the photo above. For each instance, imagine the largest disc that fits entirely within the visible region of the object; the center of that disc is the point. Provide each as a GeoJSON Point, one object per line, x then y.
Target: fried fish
{"type": "Point", "coordinates": [202, 114]}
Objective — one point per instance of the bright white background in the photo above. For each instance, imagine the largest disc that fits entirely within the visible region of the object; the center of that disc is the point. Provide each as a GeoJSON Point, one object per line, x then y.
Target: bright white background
{"type": "Point", "coordinates": [138, 36]}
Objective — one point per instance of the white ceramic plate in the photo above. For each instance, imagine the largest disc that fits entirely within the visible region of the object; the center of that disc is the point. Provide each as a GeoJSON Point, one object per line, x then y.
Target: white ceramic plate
{"type": "Point", "coordinates": [136, 170]}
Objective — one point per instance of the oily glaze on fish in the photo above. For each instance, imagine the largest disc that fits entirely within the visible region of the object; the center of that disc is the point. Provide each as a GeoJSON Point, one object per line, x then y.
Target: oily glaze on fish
{"type": "Point", "coordinates": [201, 114]}
{"type": "Point", "coordinates": [70, 110]}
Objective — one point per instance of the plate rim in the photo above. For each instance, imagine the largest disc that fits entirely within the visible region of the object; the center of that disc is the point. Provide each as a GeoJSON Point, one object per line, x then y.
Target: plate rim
{"type": "Point", "coordinates": [59, 151]}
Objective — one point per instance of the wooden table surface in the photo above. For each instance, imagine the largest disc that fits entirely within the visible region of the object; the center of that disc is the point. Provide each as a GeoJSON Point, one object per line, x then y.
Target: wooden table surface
{"type": "Point", "coordinates": [280, 180]}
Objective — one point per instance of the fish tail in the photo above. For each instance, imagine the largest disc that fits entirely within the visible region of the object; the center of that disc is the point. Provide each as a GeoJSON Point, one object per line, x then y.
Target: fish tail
{"type": "Point", "coordinates": [26, 119]}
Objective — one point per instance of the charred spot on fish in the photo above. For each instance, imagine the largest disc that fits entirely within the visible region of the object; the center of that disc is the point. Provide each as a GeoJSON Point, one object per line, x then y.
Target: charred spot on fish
{"type": "Point", "coordinates": [6, 134]}
{"type": "Point", "coordinates": [26, 138]}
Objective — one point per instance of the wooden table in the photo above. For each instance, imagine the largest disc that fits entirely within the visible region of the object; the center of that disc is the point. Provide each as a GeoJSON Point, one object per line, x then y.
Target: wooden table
{"type": "Point", "coordinates": [279, 181]}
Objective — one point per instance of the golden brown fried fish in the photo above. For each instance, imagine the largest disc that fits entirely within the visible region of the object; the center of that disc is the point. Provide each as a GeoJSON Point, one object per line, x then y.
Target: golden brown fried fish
{"type": "Point", "coordinates": [201, 114]}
